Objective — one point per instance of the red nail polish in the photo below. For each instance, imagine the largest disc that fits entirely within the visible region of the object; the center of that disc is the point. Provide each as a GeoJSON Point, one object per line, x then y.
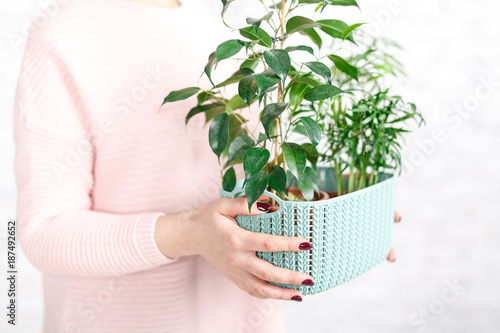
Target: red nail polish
{"type": "Point", "coordinates": [308, 282]}
{"type": "Point", "coordinates": [263, 206]}
{"type": "Point", "coordinates": [305, 246]}
{"type": "Point", "coordinates": [296, 298]}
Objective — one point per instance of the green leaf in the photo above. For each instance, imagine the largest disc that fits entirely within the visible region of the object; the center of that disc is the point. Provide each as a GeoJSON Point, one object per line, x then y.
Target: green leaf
{"type": "Point", "coordinates": [229, 180]}
{"type": "Point", "coordinates": [228, 49]}
{"type": "Point", "coordinates": [209, 66]}
{"type": "Point", "coordinates": [307, 190]}
{"type": "Point", "coordinates": [247, 88]}
{"type": "Point", "coordinates": [255, 22]}
{"type": "Point", "coordinates": [322, 92]}
{"type": "Point", "coordinates": [299, 23]}
{"type": "Point", "coordinates": [300, 48]}
{"type": "Point", "coordinates": [311, 177]}
{"type": "Point", "coordinates": [335, 28]}
{"type": "Point", "coordinates": [205, 108]}
{"type": "Point", "coordinates": [344, 66]}
{"type": "Point", "coordinates": [255, 187]}
{"type": "Point", "coordinates": [262, 137]}
{"type": "Point", "coordinates": [270, 113]}
{"type": "Point", "coordinates": [179, 95]}
{"type": "Point", "coordinates": [347, 31]}
{"type": "Point", "coordinates": [305, 80]}
{"type": "Point", "coordinates": [277, 179]}
{"type": "Point", "coordinates": [263, 37]}
{"type": "Point", "coordinates": [320, 69]}
{"type": "Point", "coordinates": [219, 133]}
{"type": "Point", "coordinates": [236, 77]}
{"type": "Point", "coordinates": [279, 61]}
{"type": "Point", "coordinates": [266, 79]}
{"type": "Point", "coordinates": [312, 153]}
{"type": "Point", "coordinates": [255, 159]}
{"type": "Point", "coordinates": [295, 157]}
{"type": "Point", "coordinates": [313, 35]}
{"type": "Point", "coordinates": [238, 148]}
{"type": "Point", "coordinates": [331, 2]}
{"type": "Point", "coordinates": [312, 129]}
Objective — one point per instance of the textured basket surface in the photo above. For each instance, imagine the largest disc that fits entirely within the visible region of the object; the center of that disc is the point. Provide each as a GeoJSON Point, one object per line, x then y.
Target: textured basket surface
{"type": "Point", "coordinates": [350, 234]}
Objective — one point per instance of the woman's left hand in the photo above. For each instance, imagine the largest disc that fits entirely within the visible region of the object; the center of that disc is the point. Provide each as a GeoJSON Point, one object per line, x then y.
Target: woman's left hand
{"type": "Point", "coordinates": [392, 255]}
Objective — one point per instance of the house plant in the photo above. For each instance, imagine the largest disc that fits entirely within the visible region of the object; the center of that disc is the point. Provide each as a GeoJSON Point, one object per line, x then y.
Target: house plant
{"type": "Point", "coordinates": [295, 98]}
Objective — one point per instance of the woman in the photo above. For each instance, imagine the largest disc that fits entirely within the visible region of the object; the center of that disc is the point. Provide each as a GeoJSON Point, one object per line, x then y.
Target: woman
{"type": "Point", "coordinates": [118, 203]}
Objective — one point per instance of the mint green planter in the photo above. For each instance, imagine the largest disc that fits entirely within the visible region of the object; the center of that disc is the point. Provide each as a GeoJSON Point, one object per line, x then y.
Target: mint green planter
{"type": "Point", "coordinates": [350, 234]}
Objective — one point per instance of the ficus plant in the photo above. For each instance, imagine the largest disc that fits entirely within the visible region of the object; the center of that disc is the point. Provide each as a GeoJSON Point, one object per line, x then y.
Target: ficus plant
{"type": "Point", "coordinates": [297, 100]}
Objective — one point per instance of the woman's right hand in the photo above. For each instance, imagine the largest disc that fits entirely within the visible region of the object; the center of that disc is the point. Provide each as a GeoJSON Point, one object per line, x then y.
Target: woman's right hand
{"type": "Point", "coordinates": [212, 232]}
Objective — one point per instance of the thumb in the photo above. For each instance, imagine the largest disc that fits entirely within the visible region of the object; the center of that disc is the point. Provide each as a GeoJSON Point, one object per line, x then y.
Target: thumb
{"type": "Point", "coordinates": [239, 206]}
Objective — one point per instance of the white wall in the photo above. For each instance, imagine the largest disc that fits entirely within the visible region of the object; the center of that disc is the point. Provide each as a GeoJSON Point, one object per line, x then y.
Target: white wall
{"type": "Point", "coordinates": [449, 196]}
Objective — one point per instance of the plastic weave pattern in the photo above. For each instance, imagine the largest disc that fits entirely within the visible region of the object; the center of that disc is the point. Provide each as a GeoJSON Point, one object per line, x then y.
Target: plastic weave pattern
{"type": "Point", "coordinates": [350, 234]}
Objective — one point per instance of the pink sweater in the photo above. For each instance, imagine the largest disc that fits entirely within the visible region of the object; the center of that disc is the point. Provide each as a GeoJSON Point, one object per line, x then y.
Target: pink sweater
{"type": "Point", "coordinates": [97, 164]}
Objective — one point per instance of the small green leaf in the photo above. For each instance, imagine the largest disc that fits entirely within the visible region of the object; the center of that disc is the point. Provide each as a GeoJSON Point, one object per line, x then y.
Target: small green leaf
{"type": "Point", "coordinates": [219, 133]}
{"type": "Point", "coordinates": [295, 157]}
{"type": "Point", "coordinates": [351, 28]}
{"type": "Point", "coordinates": [228, 49]}
{"type": "Point", "coordinates": [335, 28]}
{"type": "Point", "coordinates": [209, 66]}
{"type": "Point", "coordinates": [344, 66]}
{"type": "Point", "coordinates": [179, 95]}
{"type": "Point", "coordinates": [266, 79]}
{"type": "Point", "coordinates": [305, 80]}
{"type": "Point", "coordinates": [313, 35]}
{"type": "Point", "coordinates": [312, 153]}
{"type": "Point", "coordinates": [322, 92]}
{"type": "Point", "coordinates": [247, 88]}
{"type": "Point", "coordinates": [312, 129]}
{"type": "Point", "coordinates": [270, 113]}
{"type": "Point", "coordinates": [255, 187]}
{"type": "Point", "coordinates": [262, 137]}
{"type": "Point", "coordinates": [263, 37]}
{"type": "Point", "coordinates": [307, 190]}
{"type": "Point", "coordinates": [236, 77]}
{"type": "Point", "coordinates": [255, 159]}
{"type": "Point", "coordinates": [298, 23]}
{"type": "Point", "coordinates": [279, 61]}
{"type": "Point", "coordinates": [331, 2]}
{"type": "Point", "coordinates": [205, 108]}
{"type": "Point", "coordinates": [229, 180]}
{"type": "Point", "coordinates": [238, 148]}
{"type": "Point", "coordinates": [277, 179]}
{"type": "Point", "coordinates": [255, 22]}
{"type": "Point", "coordinates": [300, 48]}
{"type": "Point", "coordinates": [311, 177]}
{"type": "Point", "coordinates": [320, 69]}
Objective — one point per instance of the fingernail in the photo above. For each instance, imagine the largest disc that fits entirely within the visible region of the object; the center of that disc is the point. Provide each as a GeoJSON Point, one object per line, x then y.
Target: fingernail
{"type": "Point", "coordinates": [393, 260]}
{"type": "Point", "coordinates": [263, 206]}
{"type": "Point", "coordinates": [296, 298]}
{"type": "Point", "coordinates": [398, 219]}
{"type": "Point", "coordinates": [308, 282]}
{"type": "Point", "coordinates": [305, 246]}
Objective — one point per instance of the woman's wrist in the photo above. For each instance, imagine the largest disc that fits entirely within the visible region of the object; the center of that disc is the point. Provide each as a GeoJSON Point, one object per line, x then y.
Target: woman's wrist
{"type": "Point", "coordinates": [173, 235]}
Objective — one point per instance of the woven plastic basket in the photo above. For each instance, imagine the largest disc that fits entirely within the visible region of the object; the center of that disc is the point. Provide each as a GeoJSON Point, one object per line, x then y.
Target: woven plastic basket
{"type": "Point", "coordinates": [350, 234]}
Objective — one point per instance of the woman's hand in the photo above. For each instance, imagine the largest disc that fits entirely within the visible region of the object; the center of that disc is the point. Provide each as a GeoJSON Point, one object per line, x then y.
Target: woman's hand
{"type": "Point", "coordinates": [212, 232]}
{"type": "Point", "coordinates": [392, 255]}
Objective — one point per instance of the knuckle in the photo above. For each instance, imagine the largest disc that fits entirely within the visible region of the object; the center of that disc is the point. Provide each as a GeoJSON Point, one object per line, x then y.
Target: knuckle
{"type": "Point", "coordinates": [267, 244]}
{"type": "Point", "coordinates": [234, 241]}
{"type": "Point", "coordinates": [257, 291]}
{"type": "Point", "coordinates": [266, 275]}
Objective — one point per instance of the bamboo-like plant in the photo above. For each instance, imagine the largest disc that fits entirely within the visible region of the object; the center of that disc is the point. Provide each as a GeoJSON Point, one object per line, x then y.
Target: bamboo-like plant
{"type": "Point", "coordinates": [364, 129]}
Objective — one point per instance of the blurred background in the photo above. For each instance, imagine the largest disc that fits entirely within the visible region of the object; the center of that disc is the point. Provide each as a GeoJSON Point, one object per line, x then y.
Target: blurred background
{"type": "Point", "coordinates": [447, 274]}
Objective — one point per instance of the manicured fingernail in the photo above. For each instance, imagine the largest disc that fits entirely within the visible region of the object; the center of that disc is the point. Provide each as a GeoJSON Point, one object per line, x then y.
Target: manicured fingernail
{"type": "Point", "coordinates": [296, 298]}
{"type": "Point", "coordinates": [398, 219]}
{"type": "Point", "coordinates": [308, 282]}
{"type": "Point", "coordinates": [305, 246]}
{"type": "Point", "coordinates": [263, 206]}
